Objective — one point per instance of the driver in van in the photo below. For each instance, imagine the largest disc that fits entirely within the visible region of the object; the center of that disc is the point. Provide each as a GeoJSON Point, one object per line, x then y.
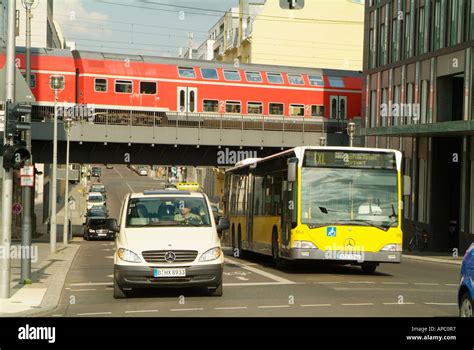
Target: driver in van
{"type": "Point", "coordinates": [185, 214]}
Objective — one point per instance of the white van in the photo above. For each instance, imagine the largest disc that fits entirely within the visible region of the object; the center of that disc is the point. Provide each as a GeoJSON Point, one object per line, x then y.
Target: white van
{"type": "Point", "coordinates": [167, 239]}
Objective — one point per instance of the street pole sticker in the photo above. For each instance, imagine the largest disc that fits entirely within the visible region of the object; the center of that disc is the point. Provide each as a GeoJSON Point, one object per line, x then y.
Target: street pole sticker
{"type": "Point", "coordinates": [17, 208]}
{"type": "Point", "coordinates": [27, 176]}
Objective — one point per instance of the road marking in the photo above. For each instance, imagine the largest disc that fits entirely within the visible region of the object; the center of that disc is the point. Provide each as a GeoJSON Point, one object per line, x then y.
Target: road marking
{"type": "Point", "coordinates": [91, 284]}
{"type": "Point", "coordinates": [242, 278]}
{"type": "Point", "coordinates": [94, 313]}
{"type": "Point", "coordinates": [394, 283]}
{"type": "Point", "coordinates": [231, 308]}
{"type": "Point", "coordinates": [118, 172]}
{"type": "Point", "coordinates": [361, 282]}
{"type": "Point", "coordinates": [452, 285]}
{"type": "Point", "coordinates": [398, 289]}
{"type": "Point", "coordinates": [326, 282]}
{"type": "Point", "coordinates": [272, 306]}
{"type": "Point", "coordinates": [139, 311]}
{"type": "Point", "coordinates": [130, 187]}
{"type": "Point", "coordinates": [57, 315]}
{"type": "Point", "coordinates": [358, 304]}
{"type": "Point", "coordinates": [260, 272]}
{"type": "Point", "coordinates": [194, 309]}
{"type": "Point", "coordinates": [399, 303]}
{"type": "Point", "coordinates": [315, 305]}
{"type": "Point", "coordinates": [426, 284]}
{"type": "Point", "coordinates": [81, 290]}
{"type": "Point", "coordinates": [257, 284]}
{"type": "Point", "coordinates": [442, 304]}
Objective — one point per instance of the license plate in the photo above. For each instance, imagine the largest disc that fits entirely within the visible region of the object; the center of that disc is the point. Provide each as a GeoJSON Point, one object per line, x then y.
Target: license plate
{"type": "Point", "coordinates": [169, 272]}
{"type": "Point", "coordinates": [102, 234]}
{"type": "Point", "coordinates": [349, 256]}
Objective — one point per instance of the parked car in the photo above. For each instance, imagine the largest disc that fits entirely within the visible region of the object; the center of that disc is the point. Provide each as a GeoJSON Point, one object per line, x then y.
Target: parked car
{"type": "Point", "coordinates": [142, 171]}
{"type": "Point", "coordinates": [167, 239]}
{"type": "Point", "coordinates": [96, 228]}
{"type": "Point", "coordinates": [95, 199]}
{"type": "Point", "coordinates": [109, 166]}
{"type": "Point", "coordinates": [466, 285]}
{"type": "Point", "coordinates": [96, 171]}
{"type": "Point", "coordinates": [99, 188]}
{"type": "Point", "coordinates": [97, 212]}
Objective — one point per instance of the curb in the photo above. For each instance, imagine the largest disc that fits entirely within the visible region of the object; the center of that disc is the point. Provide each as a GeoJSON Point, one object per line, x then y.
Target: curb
{"type": "Point", "coordinates": [54, 290]}
{"type": "Point", "coordinates": [437, 260]}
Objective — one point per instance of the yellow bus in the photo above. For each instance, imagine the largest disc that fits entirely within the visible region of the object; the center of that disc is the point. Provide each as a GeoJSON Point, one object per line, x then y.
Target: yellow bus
{"type": "Point", "coordinates": [188, 186]}
{"type": "Point", "coordinates": [335, 204]}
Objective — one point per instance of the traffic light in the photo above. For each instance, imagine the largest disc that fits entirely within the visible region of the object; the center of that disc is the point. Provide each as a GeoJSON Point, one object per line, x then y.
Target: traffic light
{"type": "Point", "coordinates": [15, 120]}
{"type": "Point", "coordinates": [14, 156]}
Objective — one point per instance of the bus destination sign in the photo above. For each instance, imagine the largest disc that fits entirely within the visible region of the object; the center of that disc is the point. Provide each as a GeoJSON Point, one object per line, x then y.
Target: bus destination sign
{"type": "Point", "coordinates": [344, 159]}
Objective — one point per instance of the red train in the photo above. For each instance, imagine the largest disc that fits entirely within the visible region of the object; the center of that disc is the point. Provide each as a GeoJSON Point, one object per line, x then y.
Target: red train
{"type": "Point", "coordinates": [127, 82]}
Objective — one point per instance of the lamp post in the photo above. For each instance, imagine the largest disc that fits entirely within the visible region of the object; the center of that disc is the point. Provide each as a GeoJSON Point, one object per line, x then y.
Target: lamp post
{"type": "Point", "coordinates": [351, 132]}
{"type": "Point", "coordinates": [67, 128]}
{"type": "Point", "coordinates": [56, 83]}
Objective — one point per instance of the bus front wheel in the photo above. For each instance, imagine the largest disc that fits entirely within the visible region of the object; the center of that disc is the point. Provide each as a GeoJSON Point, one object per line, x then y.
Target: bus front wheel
{"type": "Point", "coordinates": [368, 268]}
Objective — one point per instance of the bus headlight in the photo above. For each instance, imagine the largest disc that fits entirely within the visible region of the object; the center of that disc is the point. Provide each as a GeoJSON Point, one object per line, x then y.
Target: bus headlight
{"type": "Point", "coordinates": [392, 248]}
{"type": "Point", "coordinates": [304, 245]}
{"type": "Point", "coordinates": [128, 255]}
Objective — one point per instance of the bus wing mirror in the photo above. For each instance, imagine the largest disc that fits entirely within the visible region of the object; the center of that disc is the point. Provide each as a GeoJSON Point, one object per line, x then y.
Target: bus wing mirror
{"type": "Point", "coordinates": [406, 185]}
{"type": "Point", "coordinates": [292, 166]}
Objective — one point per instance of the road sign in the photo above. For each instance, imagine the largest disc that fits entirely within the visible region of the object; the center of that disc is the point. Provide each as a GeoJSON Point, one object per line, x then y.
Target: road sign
{"type": "Point", "coordinates": [17, 208]}
{"type": "Point", "coordinates": [27, 170]}
{"type": "Point", "coordinates": [27, 181]}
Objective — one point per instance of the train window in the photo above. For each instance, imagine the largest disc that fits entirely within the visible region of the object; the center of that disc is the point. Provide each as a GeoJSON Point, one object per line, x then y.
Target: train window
{"type": "Point", "coordinates": [276, 108]}
{"type": "Point", "coordinates": [185, 72]}
{"type": "Point", "coordinates": [148, 87]}
{"type": "Point", "coordinates": [336, 82]}
{"type": "Point", "coordinates": [296, 110]}
{"type": "Point", "coordinates": [274, 78]}
{"type": "Point", "coordinates": [231, 75]}
{"type": "Point", "coordinates": [317, 111]}
{"type": "Point", "coordinates": [295, 79]}
{"type": "Point", "coordinates": [209, 73]}
{"type": "Point", "coordinates": [254, 108]}
{"type": "Point", "coordinates": [254, 77]}
{"type": "Point", "coordinates": [210, 106]}
{"type": "Point", "coordinates": [232, 107]}
{"type": "Point", "coordinates": [32, 80]}
{"type": "Point", "coordinates": [123, 86]}
{"type": "Point", "coordinates": [100, 85]}
{"type": "Point", "coordinates": [316, 80]}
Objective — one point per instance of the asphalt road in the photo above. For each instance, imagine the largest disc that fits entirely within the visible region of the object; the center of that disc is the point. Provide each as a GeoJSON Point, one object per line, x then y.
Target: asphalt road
{"type": "Point", "coordinates": [253, 287]}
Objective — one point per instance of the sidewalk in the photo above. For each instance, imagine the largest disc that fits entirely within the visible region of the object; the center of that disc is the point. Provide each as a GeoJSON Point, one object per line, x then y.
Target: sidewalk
{"type": "Point", "coordinates": [444, 258]}
{"type": "Point", "coordinates": [48, 273]}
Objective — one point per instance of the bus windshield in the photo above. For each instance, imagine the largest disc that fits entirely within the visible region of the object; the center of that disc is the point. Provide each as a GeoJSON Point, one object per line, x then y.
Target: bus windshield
{"type": "Point", "coordinates": [335, 196]}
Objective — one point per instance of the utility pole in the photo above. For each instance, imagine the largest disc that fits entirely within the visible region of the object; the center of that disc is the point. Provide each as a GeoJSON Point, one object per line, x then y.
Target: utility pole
{"type": "Point", "coordinates": [26, 222]}
{"type": "Point", "coordinates": [67, 127]}
{"type": "Point", "coordinates": [7, 181]}
{"type": "Point", "coordinates": [190, 45]}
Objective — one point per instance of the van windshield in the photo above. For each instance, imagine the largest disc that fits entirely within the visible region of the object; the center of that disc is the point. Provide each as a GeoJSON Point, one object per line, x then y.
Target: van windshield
{"type": "Point", "coordinates": [95, 199]}
{"type": "Point", "coordinates": [169, 211]}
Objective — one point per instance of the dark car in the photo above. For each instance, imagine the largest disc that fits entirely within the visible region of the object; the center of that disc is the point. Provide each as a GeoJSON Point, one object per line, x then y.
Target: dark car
{"type": "Point", "coordinates": [98, 212]}
{"type": "Point", "coordinates": [96, 171]}
{"type": "Point", "coordinates": [99, 188]}
{"type": "Point", "coordinates": [466, 286]}
{"type": "Point", "coordinates": [100, 228]}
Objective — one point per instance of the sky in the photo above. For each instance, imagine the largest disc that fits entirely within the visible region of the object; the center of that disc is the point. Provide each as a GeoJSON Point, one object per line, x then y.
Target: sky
{"type": "Point", "coordinates": [145, 27]}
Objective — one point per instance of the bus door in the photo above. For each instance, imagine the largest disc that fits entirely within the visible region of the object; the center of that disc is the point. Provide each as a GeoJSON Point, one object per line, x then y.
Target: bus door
{"type": "Point", "coordinates": [187, 99]}
{"type": "Point", "coordinates": [286, 211]}
{"type": "Point", "coordinates": [338, 107]}
{"type": "Point", "coordinates": [249, 213]}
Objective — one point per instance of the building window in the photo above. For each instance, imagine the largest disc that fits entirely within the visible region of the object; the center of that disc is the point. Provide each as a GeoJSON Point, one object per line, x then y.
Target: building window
{"type": "Point", "coordinates": [371, 49]}
{"type": "Point", "coordinates": [409, 102]}
{"type": "Point", "coordinates": [210, 106]}
{"type": "Point", "coordinates": [421, 31]}
{"type": "Point", "coordinates": [396, 99]}
{"type": "Point", "coordinates": [231, 75]}
{"type": "Point", "coordinates": [424, 100]}
{"type": "Point", "coordinates": [186, 72]}
{"type": "Point", "coordinates": [317, 111]}
{"type": "Point", "coordinates": [438, 37]}
{"type": "Point", "coordinates": [209, 73]}
{"type": "Point", "coordinates": [148, 87]}
{"type": "Point", "coordinates": [316, 80]}
{"type": "Point", "coordinates": [276, 109]}
{"type": "Point", "coordinates": [253, 77]}
{"type": "Point", "coordinates": [295, 79]}
{"type": "Point", "coordinates": [471, 23]}
{"type": "Point", "coordinates": [336, 82]}
{"type": "Point", "coordinates": [254, 108]}
{"type": "Point", "coordinates": [394, 44]}
{"type": "Point", "coordinates": [383, 48]}
{"type": "Point", "coordinates": [455, 9]}
{"type": "Point", "coordinates": [296, 110]}
{"type": "Point", "coordinates": [373, 109]}
{"type": "Point", "coordinates": [384, 117]}
{"type": "Point", "coordinates": [100, 85]}
{"type": "Point", "coordinates": [276, 78]}
{"type": "Point", "coordinates": [123, 86]}
{"type": "Point", "coordinates": [232, 107]}
{"type": "Point", "coordinates": [407, 35]}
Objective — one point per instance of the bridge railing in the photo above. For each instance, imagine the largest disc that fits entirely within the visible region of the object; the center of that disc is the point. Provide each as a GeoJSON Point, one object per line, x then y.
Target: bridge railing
{"type": "Point", "coordinates": [197, 120]}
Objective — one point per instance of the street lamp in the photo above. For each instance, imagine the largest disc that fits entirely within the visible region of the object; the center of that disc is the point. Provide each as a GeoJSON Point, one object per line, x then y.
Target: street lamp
{"type": "Point", "coordinates": [351, 132]}
{"type": "Point", "coordinates": [67, 128]}
{"type": "Point", "coordinates": [56, 83]}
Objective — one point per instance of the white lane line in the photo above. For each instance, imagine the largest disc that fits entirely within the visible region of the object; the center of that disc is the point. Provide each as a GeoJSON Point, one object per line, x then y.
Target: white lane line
{"type": "Point", "coordinates": [192, 309]}
{"type": "Point", "coordinates": [358, 304]}
{"type": "Point", "coordinates": [361, 282]}
{"type": "Point", "coordinates": [452, 285]}
{"type": "Point", "coordinates": [231, 308]}
{"type": "Point", "coordinates": [326, 282]}
{"type": "Point", "coordinates": [426, 284]}
{"type": "Point", "coordinates": [399, 303]}
{"type": "Point", "coordinates": [242, 278]}
{"type": "Point", "coordinates": [260, 272]}
{"type": "Point", "coordinates": [57, 315]}
{"type": "Point", "coordinates": [82, 290]}
{"type": "Point", "coordinates": [442, 304]}
{"type": "Point", "coordinates": [130, 187]}
{"type": "Point", "coordinates": [94, 313]}
{"type": "Point", "coordinates": [257, 284]}
{"type": "Point", "coordinates": [118, 172]}
{"type": "Point", "coordinates": [272, 306]}
{"type": "Point", "coordinates": [139, 311]}
{"type": "Point", "coordinates": [91, 284]}
{"type": "Point", "coordinates": [315, 305]}
{"type": "Point", "coordinates": [394, 283]}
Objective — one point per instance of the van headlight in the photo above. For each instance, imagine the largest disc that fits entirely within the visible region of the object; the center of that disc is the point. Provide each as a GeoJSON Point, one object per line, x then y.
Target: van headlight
{"type": "Point", "coordinates": [211, 254]}
{"type": "Point", "coordinates": [304, 245]}
{"type": "Point", "coordinates": [392, 248]}
{"type": "Point", "coordinates": [128, 255]}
